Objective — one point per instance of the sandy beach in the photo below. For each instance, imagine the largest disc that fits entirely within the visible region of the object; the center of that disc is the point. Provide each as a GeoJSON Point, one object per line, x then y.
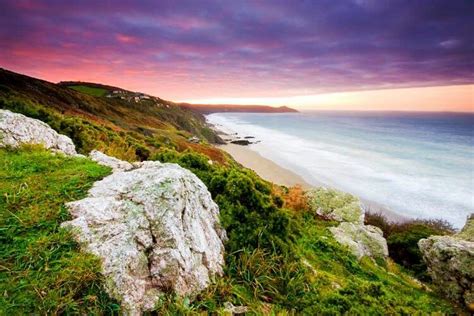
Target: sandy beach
{"type": "Point", "coordinates": [270, 171]}
{"type": "Point", "coordinates": [264, 167]}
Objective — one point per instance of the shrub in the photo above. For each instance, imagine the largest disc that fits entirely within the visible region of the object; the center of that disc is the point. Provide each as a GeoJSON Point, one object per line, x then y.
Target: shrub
{"type": "Point", "coordinates": [247, 206]}
{"type": "Point", "coordinates": [292, 198]}
{"type": "Point", "coordinates": [402, 239]}
{"type": "Point", "coordinates": [378, 220]}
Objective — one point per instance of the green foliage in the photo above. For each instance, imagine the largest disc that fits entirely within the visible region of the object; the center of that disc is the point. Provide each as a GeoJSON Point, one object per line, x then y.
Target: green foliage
{"type": "Point", "coordinates": [96, 92]}
{"type": "Point", "coordinates": [248, 212]}
{"type": "Point", "coordinates": [402, 239]}
{"type": "Point", "coordinates": [85, 134]}
{"type": "Point", "coordinates": [121, 128]}
{"type": "Point", "coordinates": [317, 277]}
{"type": "Point", "coordinates": [42, 270]}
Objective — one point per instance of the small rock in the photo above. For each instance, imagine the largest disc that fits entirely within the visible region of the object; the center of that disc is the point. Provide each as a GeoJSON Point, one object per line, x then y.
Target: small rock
{"type": "Point", "coordinates": [17, 129]}
{"type": "Point", "coordinates": [194, 140]}
{"type": "Point", "coordinates": [235, 310]}
{"type": "Point", "coordinates": [242, 142]}
{"type": "Point", "coordinates": [112, 162]}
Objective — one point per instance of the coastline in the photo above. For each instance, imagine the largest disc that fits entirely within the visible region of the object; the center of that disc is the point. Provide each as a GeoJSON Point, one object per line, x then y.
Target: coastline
{"type": "Point", "coordinates": [273, 172]}
{"type": "Point", "coordinates": [265, 168]}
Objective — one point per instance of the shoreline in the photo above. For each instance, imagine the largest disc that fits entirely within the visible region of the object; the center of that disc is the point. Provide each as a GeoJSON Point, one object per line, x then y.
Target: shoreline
{"type": "Point", "coordinates": [278, 174]}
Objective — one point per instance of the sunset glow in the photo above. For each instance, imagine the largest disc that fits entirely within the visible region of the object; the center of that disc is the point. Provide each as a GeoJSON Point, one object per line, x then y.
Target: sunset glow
{"type": "Point", "coordinates": [441, 98]}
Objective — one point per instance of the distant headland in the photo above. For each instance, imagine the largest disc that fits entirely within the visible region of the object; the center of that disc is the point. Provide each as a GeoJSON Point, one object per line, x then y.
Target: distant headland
{"type": "Point", "coordinates": [214, 108]}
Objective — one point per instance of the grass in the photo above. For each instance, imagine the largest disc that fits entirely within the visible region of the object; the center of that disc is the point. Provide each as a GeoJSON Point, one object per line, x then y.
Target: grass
{"type": "Point", "coordinates": [96, 92]}
{"type": "Point", "coordinates": [41, 268]}
{"type": "Point", "coordinates": [319, 277]}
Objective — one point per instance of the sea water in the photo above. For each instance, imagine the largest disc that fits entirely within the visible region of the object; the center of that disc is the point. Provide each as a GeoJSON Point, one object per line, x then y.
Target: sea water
{"type": "Point", "coordinates": [419, 165]}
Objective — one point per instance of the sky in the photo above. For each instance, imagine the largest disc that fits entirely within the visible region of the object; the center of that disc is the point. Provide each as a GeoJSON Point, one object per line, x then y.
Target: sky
{"type": "Point", "coordinates": [361, 54]}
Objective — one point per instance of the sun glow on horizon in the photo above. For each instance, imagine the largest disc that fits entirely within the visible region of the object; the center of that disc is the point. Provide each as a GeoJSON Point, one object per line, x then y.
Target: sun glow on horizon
{"type": "Point", "coordinates": [459, 98]}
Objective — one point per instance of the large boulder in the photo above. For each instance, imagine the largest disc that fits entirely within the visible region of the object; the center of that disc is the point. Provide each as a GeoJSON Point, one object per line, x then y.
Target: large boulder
{"type": "Point", "coordinates": [450, 261]}
{"type": "Point", "coordinates": [17, 129]}
{"type": "Point", "coordinates": [362, 240]}
{"type": "Point", "coordinates": [335, 205]}
{"type": "Point", "coordinates": [156, 230]}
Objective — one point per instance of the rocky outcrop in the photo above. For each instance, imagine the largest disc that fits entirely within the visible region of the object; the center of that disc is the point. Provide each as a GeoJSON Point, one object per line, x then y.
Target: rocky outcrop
{"type": "Point", "coordinates": [467, 232]}
{"type": "Point", "coordinates": [242, 142]}
{"type": "Point", "coordinates": [335, 205]}
{"type": "Point", "coordinates": [156, 229]}
{"type": "Point", "coordinates": [362, 240]}
{"type": "Point", "coordinates": [450, 261]}
{"type": "Point", "coordinates": [112, 162]}
{"type": "Point", "coordinates": [17, 129]}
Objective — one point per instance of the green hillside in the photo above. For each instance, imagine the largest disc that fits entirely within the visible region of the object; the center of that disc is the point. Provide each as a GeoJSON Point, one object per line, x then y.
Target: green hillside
{"type": "Point", "coordinates": [126, 129]}
{"type": "Point", "coordinates": [96, 92]}
{"type": "Point", "coordinates": [280, 256]}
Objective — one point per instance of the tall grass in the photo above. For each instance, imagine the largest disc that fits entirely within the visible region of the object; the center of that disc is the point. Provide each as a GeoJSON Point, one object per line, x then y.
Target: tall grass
{"type": "Point", "coordinates": [42, 270]}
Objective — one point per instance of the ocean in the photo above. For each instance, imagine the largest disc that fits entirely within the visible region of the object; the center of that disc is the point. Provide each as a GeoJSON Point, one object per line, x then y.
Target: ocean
{"type": "Point", "coordinates": [419, 165]}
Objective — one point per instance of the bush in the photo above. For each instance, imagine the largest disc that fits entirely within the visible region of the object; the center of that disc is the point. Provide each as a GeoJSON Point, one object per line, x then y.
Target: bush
{"type": "Point", "coordinates": [293, 198]}
{"type": "Point", "coordinates": [248, 209]}
{"type": "Point", "coordinates": [378, 220]}
{"type": "Point", "coordinates": [402, 239]}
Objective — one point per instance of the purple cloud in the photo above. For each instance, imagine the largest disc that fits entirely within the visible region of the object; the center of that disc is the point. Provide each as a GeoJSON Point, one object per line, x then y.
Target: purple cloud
{"type": "Point", "coordinates": [192, 49]}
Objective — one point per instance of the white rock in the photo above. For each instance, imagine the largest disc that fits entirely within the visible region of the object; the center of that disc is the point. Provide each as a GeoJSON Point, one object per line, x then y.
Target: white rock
{"type": "Point", "coordinates": [17, 129]}
{"type": "Point", "coordinates": [335, 205]}
{"type": "Point", "coordinates": [112, 162]}
{"type": "Point", "coordinates": [156, 230]}
{"type": "Point", "coordinates": [450, 261]}
{"type": "Point", "coordinates": [362, 240]}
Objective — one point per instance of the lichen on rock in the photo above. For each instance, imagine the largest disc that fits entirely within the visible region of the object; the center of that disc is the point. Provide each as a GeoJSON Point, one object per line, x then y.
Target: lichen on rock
{"type": "Point", "coordinates": [156, 229]}
{"type": "Point", "coordinates": [362, 240]}
{"type": "Point", "coordinates": [467, 232]}
{"type": "Point", "coordinates": [17, 129]}
{"type": "Point", "coordinates": [450, 261]}
{"type": "Point", "coordinates": [335, 205]}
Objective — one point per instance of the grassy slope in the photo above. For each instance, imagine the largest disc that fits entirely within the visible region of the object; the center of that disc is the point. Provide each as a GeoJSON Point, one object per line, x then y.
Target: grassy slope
{"type": "Point", "coordinates": [292, 267]}
{"type": "Point", "coordinates": [41, 269]}
{"type": "Point", "coordinates": [43, 272]}
{"type": "Point", "coordinates": [96, 92]}
{"type": "Point", "coordinates": [128, 130]}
